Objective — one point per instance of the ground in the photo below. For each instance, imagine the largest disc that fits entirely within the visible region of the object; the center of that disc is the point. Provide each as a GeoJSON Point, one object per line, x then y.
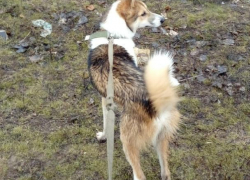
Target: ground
{"type": "Point", "coordinates": [50, 113]}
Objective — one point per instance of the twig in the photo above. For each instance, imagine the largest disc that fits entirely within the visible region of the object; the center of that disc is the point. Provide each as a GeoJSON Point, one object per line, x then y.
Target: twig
{"type": "Point", "coordinates": [25, 36]}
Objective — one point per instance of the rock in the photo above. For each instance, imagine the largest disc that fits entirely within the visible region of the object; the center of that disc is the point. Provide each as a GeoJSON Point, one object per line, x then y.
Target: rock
{"type": "Point", "coordinates": [173, 33]}
{"type": "Point", "coordinates": [32, 40]}
{"type": "Point", "coordinates": [191, 41]}
{"type": "Point", "coordinates": [210, 68]}
{"type": "Point", "coordinates": [155, 45]}
{"type": "Point", "coordinates": [217, 84]}
{"type": "Point", "coordinates": [203, 57]}
{"type": "Point", "coordinates": [229, 85]}
{"type": "Point", "coordinates": [35, 58]}
{"type": "Point", "coordinates": [229, 42]}
{"type": "Point", "coordinates": [194, 52]}
{"type": "Point", "coordinates": [201, 78]}
{"type": "Point", "coordinates": [20, 49]}
{"type": "Point", "coordinates": [186, 86]}
{"type": "Point", "coordinates": [221, 69]}
{"type": "Point", "coordinates": [237, 84]}
{"type": "Point", "coordinates": [3, 35]}
{"type": "Point", "coordinates": [82, 20]}
{"type": "Point", "coordinates": [24, 44]}
{"type": "Point", "coordinates": [235, 57]}
{"type": "Point", "coordinates": [242, 89]}
{"type": "Point", "coordinates": [91, 101]}
{"type": "Point", "coordinates": [200, 44]}
{"type": "Point", "coordinates": [229, 91]}
{"type": "Point", "coordinates": [155, 30]}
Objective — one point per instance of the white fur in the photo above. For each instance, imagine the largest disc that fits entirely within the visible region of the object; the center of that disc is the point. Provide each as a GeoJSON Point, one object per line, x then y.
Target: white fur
{"type": "Point", "coordinates": [155, 23]}
{"type": "Point", "coordinates": [157, 20]}
{"type": "Point", "coordinates": [102, 135]}
{"type": "Point", "coordinates": [163, 121]}
{"type": "Point", "coordinates": [115, 24]}
{"type": "Point", "coordinates": [136, 178]}
{"type": "Point", "coordinates": [163, 60]}
{"type": "Point", "coordinates": [159, 61]}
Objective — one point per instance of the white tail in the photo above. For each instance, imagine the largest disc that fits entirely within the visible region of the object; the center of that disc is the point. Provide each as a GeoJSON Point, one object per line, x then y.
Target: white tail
{"type": "Point", "coordinates": [160, 82]}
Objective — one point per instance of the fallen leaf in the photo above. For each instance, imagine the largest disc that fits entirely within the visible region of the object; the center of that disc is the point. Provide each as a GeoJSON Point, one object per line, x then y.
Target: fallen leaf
{"type": "Point", "coordinates": [167, 8]}
{"type": "Point", "coordinates": [90, 7]}
{"type": "Point", "coordinates": [21, 16]}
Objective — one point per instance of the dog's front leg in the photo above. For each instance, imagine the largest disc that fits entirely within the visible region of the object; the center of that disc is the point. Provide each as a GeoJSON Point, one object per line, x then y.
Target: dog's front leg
{"type": "Point", "coordinates": [101, 136]}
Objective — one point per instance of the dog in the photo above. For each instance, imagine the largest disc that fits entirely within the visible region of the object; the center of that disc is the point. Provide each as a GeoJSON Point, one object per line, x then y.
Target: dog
{"type": "Point", "coordinates": [149, 98]}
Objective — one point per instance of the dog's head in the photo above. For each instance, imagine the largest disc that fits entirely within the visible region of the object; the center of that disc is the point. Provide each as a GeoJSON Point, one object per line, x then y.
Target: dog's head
{"type": "Point", "coordinates": [136, 15]}
{"type": "Point", "coordinates": [126, 16]}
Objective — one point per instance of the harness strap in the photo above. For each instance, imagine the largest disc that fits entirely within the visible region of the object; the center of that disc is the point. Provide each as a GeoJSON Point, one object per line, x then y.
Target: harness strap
{"type": "Point", "coordinates": [110, 108]}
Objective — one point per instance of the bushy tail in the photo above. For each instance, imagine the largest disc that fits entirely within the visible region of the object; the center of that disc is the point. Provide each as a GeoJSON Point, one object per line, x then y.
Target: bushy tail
{"type": "Point", "coordinates": [160, 82]}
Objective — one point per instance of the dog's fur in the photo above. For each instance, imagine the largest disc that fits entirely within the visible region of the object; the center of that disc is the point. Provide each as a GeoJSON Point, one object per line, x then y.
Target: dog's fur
{"type": "Point", "coordinates": [148, 98]}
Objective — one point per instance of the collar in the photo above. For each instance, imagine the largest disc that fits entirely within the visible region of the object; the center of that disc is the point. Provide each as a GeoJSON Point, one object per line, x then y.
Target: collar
{"type": "Point", "coordinates": [102, 34]}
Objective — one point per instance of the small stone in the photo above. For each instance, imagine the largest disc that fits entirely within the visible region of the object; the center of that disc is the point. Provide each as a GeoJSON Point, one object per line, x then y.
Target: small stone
{"type": "Point", "coordinates": [200, 44]}
{"type": "Point", "coordinates": [191, 41]}
{"type": "Point", "coordinates": [3, 35]}
{"type": "Point", "coordinates": [155, 30]}
{"type": "Point", "coordinates": [229, 91]}
{"type": "Point", "coordinates": [235, 57]}
{"type": "Point", "coordinates": [203, 57]}
{"type": "Point", "coordinates": [35, 58]}
{"type": "Point", "coordinates": [210, 68]}
{"type": "Point", "coordinates": [91, 101]}
{"type": "Point", "coordinates": [186, 86]}
{"type": "Point", "coordinates": [24, 44]}
{"type": "Point", "coordinates": [194, 52]}
{"type": "Point", "coordinates": [237, 84]}
{"type": "Point", "coordinates": [82, 20]}
{"type": "Point", "coordinates": [155, 44]}
{"type": "Point", "coordinates": [242, 89]}
{"type": "Point", "coordinates": [229, 42]}
{"type": "Point", "coordinates": [221, 69]}
{"type": "Point", "coordinates": [230, 85]}
{"type": "Point", "coordinates": [201, 79]}
{"type": "Point", "coordinates": [21, 50]}
{"type": "Point", "coordinates": [173, 33]}
{"type": "Point", "coordinates": [217, 84]}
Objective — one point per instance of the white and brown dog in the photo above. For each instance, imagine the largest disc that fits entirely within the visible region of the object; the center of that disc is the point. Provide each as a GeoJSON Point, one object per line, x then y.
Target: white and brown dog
{"type": "Point", "coordinates": [149, 98]}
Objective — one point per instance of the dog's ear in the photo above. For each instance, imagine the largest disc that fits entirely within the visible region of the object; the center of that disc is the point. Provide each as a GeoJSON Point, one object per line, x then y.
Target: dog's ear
{"type": "Point", "coordinates": [131, 3]}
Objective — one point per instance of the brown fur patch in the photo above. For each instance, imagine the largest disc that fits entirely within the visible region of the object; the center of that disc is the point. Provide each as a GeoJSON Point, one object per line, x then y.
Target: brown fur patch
{"type": "Point", "coordinates": [130, 13]}
{"type": "Point", "coordinates": [129, 85]}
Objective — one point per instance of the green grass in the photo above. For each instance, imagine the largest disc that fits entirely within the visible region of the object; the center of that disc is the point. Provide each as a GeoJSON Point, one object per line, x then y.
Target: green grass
{"type": "Point", "coordinates": [48, 125]}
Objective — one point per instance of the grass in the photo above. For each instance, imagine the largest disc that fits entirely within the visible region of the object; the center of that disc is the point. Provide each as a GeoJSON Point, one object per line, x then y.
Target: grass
{"type": "Point", "coordinates": [48, 122]}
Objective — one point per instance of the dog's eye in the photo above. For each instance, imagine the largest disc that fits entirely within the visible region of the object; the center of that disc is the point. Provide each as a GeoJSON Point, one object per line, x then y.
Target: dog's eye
{"type": "Point", "coordinates": [144, 14]}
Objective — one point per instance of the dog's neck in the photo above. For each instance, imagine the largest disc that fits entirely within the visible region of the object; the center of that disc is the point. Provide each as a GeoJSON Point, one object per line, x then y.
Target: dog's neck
{"type": "Point", "coordinates": [115, 24]}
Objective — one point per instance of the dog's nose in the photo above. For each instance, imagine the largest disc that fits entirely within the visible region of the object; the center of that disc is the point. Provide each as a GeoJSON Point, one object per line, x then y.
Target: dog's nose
{"type": "Point", "coordinates": [162, 20]}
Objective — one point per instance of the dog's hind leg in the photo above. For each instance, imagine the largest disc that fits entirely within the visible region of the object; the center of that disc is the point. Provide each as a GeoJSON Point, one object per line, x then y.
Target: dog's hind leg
{"type": "Point", "coordinates": [161, 147]}
{"type": "Point", "coordinates": [101, 136]}
{"type": "Point", "coordinates": [132, 153]}
{"type": "Point", "coordinates": [132, 141]}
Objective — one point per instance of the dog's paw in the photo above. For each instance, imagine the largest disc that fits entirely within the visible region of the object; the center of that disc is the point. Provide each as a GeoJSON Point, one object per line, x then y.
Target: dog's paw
{"type": "Point", "coordinates": [165, 177]}
{"type": "Point", "coordinates": [101, 137]}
